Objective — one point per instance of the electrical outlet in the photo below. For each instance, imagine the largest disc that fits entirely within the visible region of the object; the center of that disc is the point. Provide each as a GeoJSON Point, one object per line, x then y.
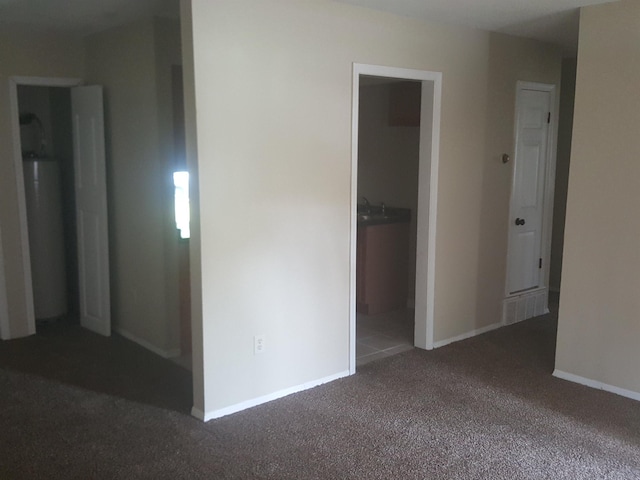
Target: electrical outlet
{"type": "Point", "coordinates": [259, 345]}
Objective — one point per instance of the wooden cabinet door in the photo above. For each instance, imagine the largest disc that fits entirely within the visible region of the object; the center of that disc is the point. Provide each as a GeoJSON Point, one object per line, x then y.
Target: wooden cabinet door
{"type": "Point", "coordinates": [382, 268]}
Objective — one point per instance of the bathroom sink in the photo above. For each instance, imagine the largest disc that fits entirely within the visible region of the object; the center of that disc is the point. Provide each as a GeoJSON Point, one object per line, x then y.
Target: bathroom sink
{"type": "Point", "coordinates": [378, 218]}
{"type": "Point", "coordinates": [374, 216]}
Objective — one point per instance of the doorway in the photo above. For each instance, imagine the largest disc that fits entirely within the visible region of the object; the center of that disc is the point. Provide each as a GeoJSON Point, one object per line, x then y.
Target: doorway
{"type": "Point", "coordinates": [58, 138]}
{"type": "Point", "coordinates": [429, 85]}
{"type": "Point", "coordinates": [531, 206]}
{"type": "Point", "coordinates": [47, 162]}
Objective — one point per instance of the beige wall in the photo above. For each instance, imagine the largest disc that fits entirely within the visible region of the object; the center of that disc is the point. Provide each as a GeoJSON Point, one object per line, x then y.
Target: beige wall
{"type": "Point", "coordinates": [167, 54]}
{"type": "Point", "coordinates": [24, 54]}
{"type": "Point", "coordinates": [565, 128]}
{"type": "Point", "coordinates": [134, 69]}
{"type": "Point", "coordinates": [273, 109]}
{"type": "Point", "coordinates": [599, 325]}
{"type": "Point", "coordinates": [388, 162]}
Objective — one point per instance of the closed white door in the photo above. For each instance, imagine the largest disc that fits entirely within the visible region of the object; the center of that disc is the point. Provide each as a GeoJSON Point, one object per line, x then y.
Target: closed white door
{"type": "Point", "coordinates": [91, 208]}
{"type": "Point", "coordinates": [527, 198]}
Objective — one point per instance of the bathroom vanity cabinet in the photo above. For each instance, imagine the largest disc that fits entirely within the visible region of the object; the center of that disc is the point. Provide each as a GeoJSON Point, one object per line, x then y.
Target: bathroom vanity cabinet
{"type": "Point", "coordinates": [382, 267]}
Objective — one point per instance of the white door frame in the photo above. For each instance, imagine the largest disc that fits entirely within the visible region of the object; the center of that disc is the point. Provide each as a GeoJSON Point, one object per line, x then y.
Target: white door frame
{"type": "Point", "coordinates": [427, 203]}
{"type": "Point", "coordinates": [17, 163]}
{"type": "Point", "coordinates": [549, 188]}
{"type": "Point", "coordinates": [5, 328]}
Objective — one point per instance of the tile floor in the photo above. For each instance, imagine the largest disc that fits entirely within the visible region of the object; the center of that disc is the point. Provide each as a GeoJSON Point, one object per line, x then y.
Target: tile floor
{"type": "Point", "coordinates": [383, 335]}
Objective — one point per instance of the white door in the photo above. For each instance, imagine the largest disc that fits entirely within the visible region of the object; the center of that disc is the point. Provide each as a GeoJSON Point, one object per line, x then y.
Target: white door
{"type": "Point", "coordinates": [91, 208]}
{"type": "Point", "coordinates": [527, 198]}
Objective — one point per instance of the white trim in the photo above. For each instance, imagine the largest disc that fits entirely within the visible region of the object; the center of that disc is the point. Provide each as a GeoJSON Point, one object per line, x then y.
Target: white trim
{"type": "Point", "coordinates": [48, 81]}
{"type": "Point", "coordinates": [527, 292]}
{"type": "Point", "coordinates": [143, 343]}
{"type": "Point", "coordinates": [464, 336]}
{"type": "Point", "coordinates": [22, 207]}
{"type": "Point", "coordinates": [595, 384]}
{"type": "Point", "coordinates": [5, 327]}
{"type": "Point", "coordinates": [206, 416]}
{"type": "Point", "coordinates": [17, 163]}
{"type": "Point", "coordinates": [427, 204]}
{"type": "Point", "coordinates": [550, 188]}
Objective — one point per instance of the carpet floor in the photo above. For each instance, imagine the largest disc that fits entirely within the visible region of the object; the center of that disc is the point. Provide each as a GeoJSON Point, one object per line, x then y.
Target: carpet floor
{"type": "Point", "coordinates": [76, 405]}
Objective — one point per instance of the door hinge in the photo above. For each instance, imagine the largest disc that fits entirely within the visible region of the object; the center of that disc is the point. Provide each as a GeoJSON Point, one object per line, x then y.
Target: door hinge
{"type": "Point", "coordinates": [549, 117]}
{"type": "Point", "coordinates": [540, 263]}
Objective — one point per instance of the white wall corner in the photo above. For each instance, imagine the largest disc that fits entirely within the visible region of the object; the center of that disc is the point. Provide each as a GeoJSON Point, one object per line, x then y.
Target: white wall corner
{"type": "Point", "coordinates": [595, 384]}
{"type": "Point", "coordinates": [199, 414]}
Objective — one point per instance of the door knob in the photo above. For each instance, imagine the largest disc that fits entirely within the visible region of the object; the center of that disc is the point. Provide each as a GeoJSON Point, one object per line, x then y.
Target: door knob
{"type": "Point", "coordinates": [520, 221]}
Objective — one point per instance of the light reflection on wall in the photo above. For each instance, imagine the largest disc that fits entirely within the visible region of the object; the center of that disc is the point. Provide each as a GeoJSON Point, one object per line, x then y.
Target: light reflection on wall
{"type": "Point", "coordinates": [181, 198]}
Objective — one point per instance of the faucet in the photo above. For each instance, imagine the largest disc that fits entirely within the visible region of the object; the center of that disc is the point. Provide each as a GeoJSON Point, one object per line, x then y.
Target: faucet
{"type": "Point", "coordinates": [384, 209]}
{"type": "Point", "coordinates": [367, 204]}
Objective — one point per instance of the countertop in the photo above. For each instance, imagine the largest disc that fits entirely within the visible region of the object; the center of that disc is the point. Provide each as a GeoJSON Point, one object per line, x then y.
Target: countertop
{"type": "Point", "coordinates": [373, 215]}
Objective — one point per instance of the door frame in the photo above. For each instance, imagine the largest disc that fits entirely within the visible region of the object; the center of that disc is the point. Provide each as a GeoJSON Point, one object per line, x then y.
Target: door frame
{"type": "Point", "coordinates": [5, 327]}
{"type": "Point", "coordinates": [549, 188]}
{"type": "Point", "coordinates": [429, 158]}
{"type": "Point", "coordinates": [17, 163]}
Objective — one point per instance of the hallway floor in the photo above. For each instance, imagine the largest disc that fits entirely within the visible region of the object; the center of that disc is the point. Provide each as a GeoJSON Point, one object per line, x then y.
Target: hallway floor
{"type": "Point", "coordinates": [383, 335]}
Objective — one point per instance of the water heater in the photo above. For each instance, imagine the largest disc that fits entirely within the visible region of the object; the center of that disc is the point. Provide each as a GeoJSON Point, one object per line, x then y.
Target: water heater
{"type": "Point", "coordinates": [46, 237]}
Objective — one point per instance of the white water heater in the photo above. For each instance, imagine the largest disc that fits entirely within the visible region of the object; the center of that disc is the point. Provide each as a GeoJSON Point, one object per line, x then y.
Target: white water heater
{"type": "Point", "coordinates": [46, 237]}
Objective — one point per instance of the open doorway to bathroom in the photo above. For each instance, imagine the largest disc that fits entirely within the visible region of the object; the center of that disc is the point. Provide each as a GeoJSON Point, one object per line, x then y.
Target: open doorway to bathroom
{"type": "Point", "coordinates": [395, 151]}
{"type": "Point", "coordinates": [388, 158]}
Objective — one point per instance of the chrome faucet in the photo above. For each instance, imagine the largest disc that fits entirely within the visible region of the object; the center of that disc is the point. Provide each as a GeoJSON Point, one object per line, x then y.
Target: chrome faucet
{"type": "Point", "coordinates": [367, 204]}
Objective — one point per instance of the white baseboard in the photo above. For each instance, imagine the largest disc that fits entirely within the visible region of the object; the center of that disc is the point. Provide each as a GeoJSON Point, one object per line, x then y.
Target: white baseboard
{"type": "Point", "coordinates": [464, 336]}
{"type": "Point", "coordinates": [143, 343]}
{"type": "Point", "coordinates": [595, 384]}
{"type": "Point", "coordinates": [206, 416]}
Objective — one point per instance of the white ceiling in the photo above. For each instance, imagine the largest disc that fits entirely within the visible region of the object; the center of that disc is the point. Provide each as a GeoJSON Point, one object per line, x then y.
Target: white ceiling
{"type": "Point", "coordinates": [554, 21]}
{"type": "Point", "coordinates": [81, 17]}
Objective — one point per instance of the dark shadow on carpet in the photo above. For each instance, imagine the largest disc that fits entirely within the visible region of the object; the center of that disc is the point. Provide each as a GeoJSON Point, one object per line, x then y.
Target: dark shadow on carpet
{"type": "Point", "coordinates": [63, 352]}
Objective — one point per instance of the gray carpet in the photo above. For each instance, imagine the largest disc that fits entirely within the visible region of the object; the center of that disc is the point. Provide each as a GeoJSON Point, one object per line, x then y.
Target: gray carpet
{"type": "Point", "coordinates": [485, 408]}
